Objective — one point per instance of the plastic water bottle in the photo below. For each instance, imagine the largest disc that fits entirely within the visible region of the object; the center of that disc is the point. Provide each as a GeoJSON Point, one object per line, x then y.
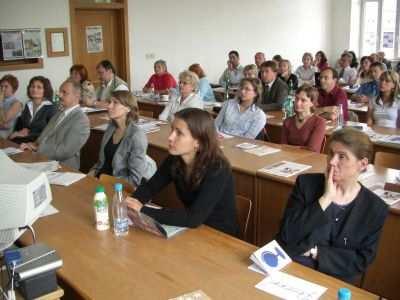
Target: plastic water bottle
{"type": "Point", "coordinates": [344, 294]}
{"type": "Point", "coordinates": [287, 107]}
{"type": "Point", "coordinates": [120, 213]}
{"type": "Point", "coordinates": [228, 83]}
{"type": "Point", "coordinates": [340, 119]}
{"type": "Point", "coordinates": [101, 209]}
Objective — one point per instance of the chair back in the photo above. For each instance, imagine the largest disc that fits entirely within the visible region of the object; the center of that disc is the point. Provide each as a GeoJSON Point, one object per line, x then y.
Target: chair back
{"type": "Point", "coordinates": [243, 207]}
{"type": "Point", "coordinates": [387, 160]}
{"type": "Point", "coordinates": [111, 180]}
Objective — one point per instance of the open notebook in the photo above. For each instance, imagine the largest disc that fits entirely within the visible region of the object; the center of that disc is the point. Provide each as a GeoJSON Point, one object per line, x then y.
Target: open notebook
{"type": "Point", "coordinates": [147, 223]}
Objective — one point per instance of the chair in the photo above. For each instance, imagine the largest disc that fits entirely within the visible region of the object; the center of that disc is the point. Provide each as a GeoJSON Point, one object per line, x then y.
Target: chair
{"type": "Point", "coordinates": [387, 160]}
{"type": "Point", "coordinates": [146, 113]}
{"type": "Point", "coordinates": [323, 144]}
{"type": "Point", "coordinates": [243, 207]}
{"type": "Point", "coordinates": [111, 180]}
{"type": "Point", "coordinates": [263, 135]}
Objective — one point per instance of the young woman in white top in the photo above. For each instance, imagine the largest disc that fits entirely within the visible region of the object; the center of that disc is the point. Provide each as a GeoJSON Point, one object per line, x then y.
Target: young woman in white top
{"type": "Point", "coordinates": [384, 109]}
{"type": "Point", "coordinates": [188, 96]}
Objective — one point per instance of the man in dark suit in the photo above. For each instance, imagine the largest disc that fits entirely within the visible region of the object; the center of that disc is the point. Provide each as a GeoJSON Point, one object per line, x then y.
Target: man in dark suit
{"type": "Point", "coordinates": [67, 132]}
{"type": "Point", "coordinates": [275, 90]}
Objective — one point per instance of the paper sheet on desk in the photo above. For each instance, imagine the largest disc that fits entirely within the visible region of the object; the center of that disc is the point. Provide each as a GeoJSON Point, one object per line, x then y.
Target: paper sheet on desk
{"type": "Point", "coordinates": [11, 150]}
{"type": "Point", "coordinates": [64, 178]}
{"type": "Point", "coordinates": [263, 150]}
{"type": "Point", "coordinates": [50, 210]}
{"type": "Point", "coordinates": [48, 166]}
{"type": "Point", "coordinates": [286, 286]}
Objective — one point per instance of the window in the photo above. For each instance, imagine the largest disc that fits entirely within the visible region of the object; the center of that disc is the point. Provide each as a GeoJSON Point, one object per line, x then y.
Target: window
{"type": "Point", "coordinates": [380, 25]}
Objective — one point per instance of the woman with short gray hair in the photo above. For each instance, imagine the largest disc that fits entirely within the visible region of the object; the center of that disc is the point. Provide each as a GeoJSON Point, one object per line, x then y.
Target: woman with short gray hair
{"type": "Point", "coordinates": [188, 96]}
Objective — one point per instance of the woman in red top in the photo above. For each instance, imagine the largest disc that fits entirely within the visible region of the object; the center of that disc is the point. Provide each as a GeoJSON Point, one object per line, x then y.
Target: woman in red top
{"type": "Point", "coordinates": [304, 129]}
{"type": "Point", "coordinates": [161, 81]}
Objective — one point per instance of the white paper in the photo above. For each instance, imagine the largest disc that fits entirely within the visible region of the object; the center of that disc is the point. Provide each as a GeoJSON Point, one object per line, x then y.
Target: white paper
{"type": "Point", "coordinates": [50, 210]}
{"type": "Point", "coordinates": [225, 136]}
{"type": "Point", "coordinates": [370, 171]}
{"type": "Point", "coordinates": [87, 109]}
{"type": "Point", "coordinates": [263, 150]}
{"type": "Point", "coordinates": [246, 146]}
{"type": "Point", "coordinates": [389, 197]}
{"type": "Point", "coordinates": [48, 166]}
{"type": "Point", "coordinates": [257, 269]}
{"type": "Point", "coordinates": [64, 178]}
{"type": "Point", "coordinates": [11, 151]}
{"type": "Point", "coordinates": [286, 286]}
{"type": "Point", "coordinates": [94, 39]}
{"type": "Point", "coordinates": [57, 42]}
{"type": "Point", "coordinates": [271, 257]}
{"type": "Point", "coordinates": [285, 168]}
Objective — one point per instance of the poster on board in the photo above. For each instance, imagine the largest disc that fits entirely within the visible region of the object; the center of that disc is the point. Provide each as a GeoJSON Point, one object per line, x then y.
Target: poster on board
{"type": "Point", "coordinates": [11, 45]}
{"type": "Point", "coordinates": [94, 39]}
{"type": "Point", "coordinates": [388, 40]}
{"type": "Point", "coordinates": [32, 43]}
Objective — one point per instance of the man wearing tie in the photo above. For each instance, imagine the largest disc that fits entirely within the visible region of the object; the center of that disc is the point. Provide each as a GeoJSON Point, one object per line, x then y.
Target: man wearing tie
{"type": "Point", "coordinates": [275, 90]}
{"type": "Point", "coordinates": [67, 132]}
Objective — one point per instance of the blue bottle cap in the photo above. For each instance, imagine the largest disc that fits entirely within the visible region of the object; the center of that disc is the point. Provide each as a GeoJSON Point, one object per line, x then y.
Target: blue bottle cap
{"type": "Point", "coordinates": [118, 187]}
{"type": "Point", "coordinates": [344, 294]}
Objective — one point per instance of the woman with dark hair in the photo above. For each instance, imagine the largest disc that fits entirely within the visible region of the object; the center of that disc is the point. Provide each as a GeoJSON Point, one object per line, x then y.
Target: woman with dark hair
{"type": "Point", "coordinates": [332, 223]}
{"type": "Point", "coordinates": [383, 110]}
{"type": "Point", "coordinates": [304, 129]}
{"type": "Point", "coordinates": [79, 74]}
{"type": "Point", "coordinates": [37, 111]}
{"type": "Point", "coordinates": [124, 145]}
{"type": "Point", "coordinates": [241, 116]}
{"type": "Point", "coordinates": [285, 73]}
{"type": "Point", "coordinates": [200, 172]}
{"type": "Point", "coordinates": [10, 106]}
{"type": "Point", "coordinates": [205, 90]}
{"type": "Point", "coordinates": [321, 62]}
{"type": "Point", "coordinates": [364, 72]}
{"type": "Point", "coordinates": [354, 61]}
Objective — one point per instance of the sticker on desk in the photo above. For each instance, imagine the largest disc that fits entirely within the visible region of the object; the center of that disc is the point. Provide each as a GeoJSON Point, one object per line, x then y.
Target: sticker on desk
{"type": "Point", "coordinates": [287, 286]}
{"type": "Point", "coordinates": [263, 150]}
{"type": "Point", "coordinates": [196, 295]}
{"type": "Point", "coordinates": [270, 258]}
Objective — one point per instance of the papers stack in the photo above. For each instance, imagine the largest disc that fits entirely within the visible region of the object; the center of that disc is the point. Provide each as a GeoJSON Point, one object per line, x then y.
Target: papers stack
{"type": "Point", "coordinates": [263, 150]}
{"type": "Point", "coordinates": [64, 178]}
{"type": "Point", "coordinates": [285, 168]}
{"type": "Point", "coordinates": [269, 260]}
{"type": "Point", "coordinates": [89, 110]}
{"type": "Point", "coordinates": [102, 127]}
{"type": "Point", "coordinates": [11, 151]}
{"type": "Point", "coordinates": [48, 166]}
{"type": "Point", "coordinates": [149, 126]}
{"type": "Point", "coordinates": [389, 197]}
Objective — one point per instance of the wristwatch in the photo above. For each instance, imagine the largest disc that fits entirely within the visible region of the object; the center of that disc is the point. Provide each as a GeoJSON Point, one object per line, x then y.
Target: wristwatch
{"type": "Point", "coordinates": [314, 252]}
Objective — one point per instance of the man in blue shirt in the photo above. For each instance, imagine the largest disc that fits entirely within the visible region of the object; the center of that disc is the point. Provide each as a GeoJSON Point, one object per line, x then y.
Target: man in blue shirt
{"type": "Point", "coordinates": [369, 89]}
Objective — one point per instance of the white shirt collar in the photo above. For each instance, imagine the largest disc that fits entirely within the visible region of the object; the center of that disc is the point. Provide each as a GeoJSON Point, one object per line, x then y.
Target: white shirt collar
{"type": "Point", "coordinates": [30, 106]}
{"type": "Point", "coordinates": [271, 83]}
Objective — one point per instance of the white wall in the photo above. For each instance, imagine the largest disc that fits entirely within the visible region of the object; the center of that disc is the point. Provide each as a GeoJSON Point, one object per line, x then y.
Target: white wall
{"type": "Point", "coordinates": [340, 28]}
{"type": "Point", "coordinates": [38, 14]}
{"type": "Point", "coordinates": [186, 31]}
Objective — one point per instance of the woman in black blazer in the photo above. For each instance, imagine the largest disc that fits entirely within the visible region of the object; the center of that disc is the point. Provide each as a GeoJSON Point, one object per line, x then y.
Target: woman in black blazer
{"type": "Point", "coordinates": [37, 112]}
{"type": "Point", "coordinates": [332, 223]}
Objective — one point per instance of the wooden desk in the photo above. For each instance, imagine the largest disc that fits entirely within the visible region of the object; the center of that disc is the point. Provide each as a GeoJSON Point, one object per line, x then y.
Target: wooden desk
{"type": "Point", "coordinates": [275, 123]}
{"type": "Point", "coordinates": [99, 265]}
{"type": "Point", "coordinates": [149, 105]}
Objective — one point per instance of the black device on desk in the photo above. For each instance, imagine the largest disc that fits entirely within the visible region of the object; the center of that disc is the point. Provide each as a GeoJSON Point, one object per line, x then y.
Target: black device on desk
{"type": "Point", "coordinates": [33, 269]}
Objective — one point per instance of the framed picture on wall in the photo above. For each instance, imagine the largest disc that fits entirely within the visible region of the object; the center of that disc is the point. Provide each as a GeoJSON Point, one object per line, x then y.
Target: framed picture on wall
{"type": "Point", "coordinates": [32, 43]}
{"type": "Point", "coordinates": [11, 45]}
{"type": "Point", "coordinates": [57, 42]}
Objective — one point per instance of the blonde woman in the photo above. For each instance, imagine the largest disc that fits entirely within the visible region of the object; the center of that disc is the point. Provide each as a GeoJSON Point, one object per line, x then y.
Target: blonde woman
{"type": "Point", "coordinates": [383, 110]}
{"type": "Point", "coordinates": [188, 96]}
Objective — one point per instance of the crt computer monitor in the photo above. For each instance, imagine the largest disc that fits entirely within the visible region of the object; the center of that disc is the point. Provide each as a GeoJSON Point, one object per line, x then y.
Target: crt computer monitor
{"type": "Point", "coordinates": [24, 195]}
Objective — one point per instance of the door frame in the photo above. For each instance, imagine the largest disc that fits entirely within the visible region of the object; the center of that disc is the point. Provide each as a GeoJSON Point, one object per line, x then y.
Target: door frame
{"type": "Point", "coordinates": [122, 7]}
